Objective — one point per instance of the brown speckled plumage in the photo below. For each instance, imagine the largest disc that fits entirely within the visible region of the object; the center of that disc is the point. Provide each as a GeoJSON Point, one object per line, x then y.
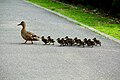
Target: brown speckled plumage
{"type": "Point", "coordinates": [28, 36]}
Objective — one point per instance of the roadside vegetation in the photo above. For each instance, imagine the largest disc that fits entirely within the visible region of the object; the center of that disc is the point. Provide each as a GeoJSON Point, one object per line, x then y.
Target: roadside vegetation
{"type": "Point", "coordinates": [83, 15]}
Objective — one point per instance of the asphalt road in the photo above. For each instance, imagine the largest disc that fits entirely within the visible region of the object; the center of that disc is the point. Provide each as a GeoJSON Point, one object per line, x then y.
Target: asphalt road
{"type": "Point", "coordinates": [50, 62]}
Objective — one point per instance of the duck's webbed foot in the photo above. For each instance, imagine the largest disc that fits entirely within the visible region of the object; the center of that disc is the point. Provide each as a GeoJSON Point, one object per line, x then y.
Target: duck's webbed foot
{"type": "Point", "coordinates": [31, 42]}
{"type": "Point", "coordinates": [25, 41]}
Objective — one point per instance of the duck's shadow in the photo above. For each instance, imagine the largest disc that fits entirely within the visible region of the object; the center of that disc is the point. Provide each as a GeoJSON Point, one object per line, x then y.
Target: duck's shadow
{"type": "Point", "coordinates": [24, 44]}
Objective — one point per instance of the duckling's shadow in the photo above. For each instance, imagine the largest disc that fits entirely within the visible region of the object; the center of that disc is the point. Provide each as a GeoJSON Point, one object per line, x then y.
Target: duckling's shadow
{"type": "Point", "coordinates": [49, 45]}
{"type": "Point", "coordinates": [80, 47]}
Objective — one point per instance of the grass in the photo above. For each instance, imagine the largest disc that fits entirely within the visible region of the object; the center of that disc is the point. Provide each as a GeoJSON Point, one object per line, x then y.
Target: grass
{"type": "Point", "coordinates": [77, 13]}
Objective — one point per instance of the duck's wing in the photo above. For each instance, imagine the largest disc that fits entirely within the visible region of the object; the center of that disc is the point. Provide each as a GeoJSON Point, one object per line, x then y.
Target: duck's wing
{"type": "Point", "coordinates": [30, 33]}
{"type": "Point", "coordinates": [32, 36]}
{"type": "Point", "coordinates": [26, 36]}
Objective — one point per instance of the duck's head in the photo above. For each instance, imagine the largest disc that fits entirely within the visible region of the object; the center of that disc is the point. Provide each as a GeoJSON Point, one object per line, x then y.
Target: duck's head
{"type": "Point", "coordinates": [22, 23]}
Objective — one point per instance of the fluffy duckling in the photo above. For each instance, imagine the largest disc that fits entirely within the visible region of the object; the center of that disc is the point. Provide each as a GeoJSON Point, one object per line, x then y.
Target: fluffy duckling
{"type": "Point", "coordinates": [97, 41]}
{"type": "Point", "coordinates": [60, 41]}
{"type": "Point", "coordinates": [44, 40]}
{"type": "Point", "coordinates": [69, 41]}
{"type": "Point", "coordinates": [64, 41]}
{"type": "Point", "coordinates": [82, 43]}
{"type": "Point", "coordinates": [91, 43]}
{"type": "Point", "coordinates": [28, 36]}
{"type": "Point", "coordinates": [77, 41]}
{"type": "Point", "coordinates": [50, 40]}
{"type": "Point", "coordinates": [86, 41]}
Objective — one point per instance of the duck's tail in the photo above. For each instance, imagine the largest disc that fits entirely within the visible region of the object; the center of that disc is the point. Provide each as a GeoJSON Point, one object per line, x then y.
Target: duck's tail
{"type": "Point", "coordinates": [35, 38]}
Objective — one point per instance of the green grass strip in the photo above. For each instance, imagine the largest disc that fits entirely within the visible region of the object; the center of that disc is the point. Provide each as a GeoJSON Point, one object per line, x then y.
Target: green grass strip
{"type": "Point", "coordinates": [100, 23]}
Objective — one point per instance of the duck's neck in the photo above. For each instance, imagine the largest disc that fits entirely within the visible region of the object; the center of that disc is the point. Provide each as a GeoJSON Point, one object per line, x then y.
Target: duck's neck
{"type": "Point", "coordinates": [23, 27]}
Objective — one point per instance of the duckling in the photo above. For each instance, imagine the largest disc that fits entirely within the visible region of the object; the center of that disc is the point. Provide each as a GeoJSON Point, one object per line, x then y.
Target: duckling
{"type": "Point", "coordinates": [91, 43]}
{"type": "Point", "coordinates": [64, 41]}
{"type": "Point", "coordinates": [97, 41]}
{"type": "Point", "coordinates": [50, 40]}
{"type": "Point", "coordinates": [86, 41]}
{"type": "Point", "coordinates": [77, 41]}
{"type": "Point", "coordinates": [27, 36]}
{"type": "Point", "coordinates": [60, 41]}
{"type": "Point", "coordinates": [44, 40]}
{"type": "Point", "coordinates": [69, 41]}
{"type": "Point", "coordinates": [82, 43]}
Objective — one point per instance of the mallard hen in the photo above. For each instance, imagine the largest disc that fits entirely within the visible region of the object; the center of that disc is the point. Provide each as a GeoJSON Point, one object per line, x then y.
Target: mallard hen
{"type": "Point", "coordinates": [28, 36]}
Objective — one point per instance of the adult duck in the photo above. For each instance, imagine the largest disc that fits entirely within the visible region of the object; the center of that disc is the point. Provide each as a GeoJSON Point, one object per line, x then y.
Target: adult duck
{"type": "Point", "coordinates": [26, 35]}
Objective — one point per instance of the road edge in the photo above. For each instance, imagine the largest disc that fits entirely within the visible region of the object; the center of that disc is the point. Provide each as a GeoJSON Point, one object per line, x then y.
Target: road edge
{"type": "Point", "coordinates": [76, 22]}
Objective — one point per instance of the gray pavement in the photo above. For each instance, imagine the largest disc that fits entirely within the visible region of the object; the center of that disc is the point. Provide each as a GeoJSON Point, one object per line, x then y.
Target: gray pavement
{"type": "Point", "coordinates": [50, 62]}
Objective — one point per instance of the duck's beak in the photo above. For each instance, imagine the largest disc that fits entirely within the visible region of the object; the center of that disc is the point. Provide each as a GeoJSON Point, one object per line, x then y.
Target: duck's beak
{"type": "Point", "coordinates": [18, 24]}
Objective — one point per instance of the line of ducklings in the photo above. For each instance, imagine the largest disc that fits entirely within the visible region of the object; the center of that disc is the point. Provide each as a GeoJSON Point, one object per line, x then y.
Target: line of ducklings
{"type": "Point", "coordinates": [72, 42]}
